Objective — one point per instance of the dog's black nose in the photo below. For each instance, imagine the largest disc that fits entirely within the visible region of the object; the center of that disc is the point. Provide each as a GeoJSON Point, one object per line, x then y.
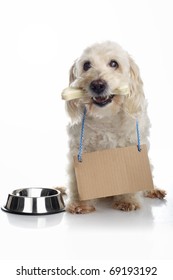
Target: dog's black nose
{"type": "Point", "coordinates": [98, 86]}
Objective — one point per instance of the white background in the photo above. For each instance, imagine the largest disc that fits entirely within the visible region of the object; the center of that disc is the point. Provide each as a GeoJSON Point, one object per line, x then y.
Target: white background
{"type": "Point", "coordinates": [39, 42]}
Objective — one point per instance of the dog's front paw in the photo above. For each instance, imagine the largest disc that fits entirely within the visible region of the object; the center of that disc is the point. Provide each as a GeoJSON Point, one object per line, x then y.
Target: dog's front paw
{"type": "Point", "coordinates": [156, 193]}
{"type": "Point", "coordinates": [126, 205]}
{"type": "Point", "coordinates": [79, 207]}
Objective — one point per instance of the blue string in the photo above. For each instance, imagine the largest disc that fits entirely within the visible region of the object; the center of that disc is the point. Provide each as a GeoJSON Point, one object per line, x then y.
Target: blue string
{"type": "Point", "coordinates": [81, 136]}
{"type": "Point", "coordinates": [138, 136]}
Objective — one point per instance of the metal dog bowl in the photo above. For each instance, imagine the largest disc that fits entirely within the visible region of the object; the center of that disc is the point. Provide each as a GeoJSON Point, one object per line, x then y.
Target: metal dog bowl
{"type": "Point", "coordinates": [34, 201]}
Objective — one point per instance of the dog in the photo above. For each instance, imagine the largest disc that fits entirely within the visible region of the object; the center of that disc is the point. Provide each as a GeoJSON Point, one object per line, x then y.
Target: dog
{"type": "Point", "coordinates": [99, 72]}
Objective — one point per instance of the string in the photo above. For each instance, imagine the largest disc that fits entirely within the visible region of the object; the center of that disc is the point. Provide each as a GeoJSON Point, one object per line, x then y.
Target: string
{"type": "Point", "coordinates": [138, 135]}
{"type": "Point", "coordinates": [82, 136]}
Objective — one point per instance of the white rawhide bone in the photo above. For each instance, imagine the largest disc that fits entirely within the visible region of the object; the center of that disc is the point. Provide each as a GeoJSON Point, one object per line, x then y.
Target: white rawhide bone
{"type": "Point", "coordinates": [71, 93]}
{"type": "Point", "coordinates": [123, 90]}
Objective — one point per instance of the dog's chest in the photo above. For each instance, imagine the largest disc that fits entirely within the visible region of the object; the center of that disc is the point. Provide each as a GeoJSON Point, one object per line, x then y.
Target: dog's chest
{"type": "Point", "coordinates": [105, 134]}
{"type": "Point", "coordinates": [101, 134]}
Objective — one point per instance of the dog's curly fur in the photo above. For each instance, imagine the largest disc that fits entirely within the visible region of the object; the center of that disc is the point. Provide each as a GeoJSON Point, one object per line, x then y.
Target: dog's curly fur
{"type": "Point", "coordinates": [111, 125]}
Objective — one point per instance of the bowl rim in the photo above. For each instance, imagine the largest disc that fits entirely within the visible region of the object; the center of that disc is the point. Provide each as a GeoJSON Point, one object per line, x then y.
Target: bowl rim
{"type": "Point", "coordinates": [14, 193]}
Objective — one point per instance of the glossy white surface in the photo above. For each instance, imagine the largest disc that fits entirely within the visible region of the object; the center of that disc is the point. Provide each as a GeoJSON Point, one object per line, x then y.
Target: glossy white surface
{"type": "Point", "coordinates": [105, 234]}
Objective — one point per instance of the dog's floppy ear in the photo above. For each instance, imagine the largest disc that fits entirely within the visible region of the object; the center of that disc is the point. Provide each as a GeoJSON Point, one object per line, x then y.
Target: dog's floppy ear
{"type": "Point", "coordinates": [72, 75]}
{"type": "Point", "coordinates": [134, 102]}
{"type": "Point", "coordinates": [72, 105]}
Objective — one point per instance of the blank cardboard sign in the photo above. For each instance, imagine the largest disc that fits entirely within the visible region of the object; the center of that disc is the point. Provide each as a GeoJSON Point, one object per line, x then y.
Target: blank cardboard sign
{"type": "Point", "coordinates": [113, 172]}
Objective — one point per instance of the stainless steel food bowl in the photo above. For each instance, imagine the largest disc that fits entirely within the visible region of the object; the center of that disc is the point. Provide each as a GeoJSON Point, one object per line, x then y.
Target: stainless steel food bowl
{"type": "Point", "coordinates": [34, 201]}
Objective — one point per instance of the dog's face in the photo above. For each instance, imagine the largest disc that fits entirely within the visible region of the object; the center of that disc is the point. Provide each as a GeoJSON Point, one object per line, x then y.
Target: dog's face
{"type": "Point", "coordinates": [99, 72]}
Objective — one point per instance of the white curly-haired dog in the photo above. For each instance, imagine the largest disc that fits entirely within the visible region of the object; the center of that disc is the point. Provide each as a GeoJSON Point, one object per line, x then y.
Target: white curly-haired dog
{"type": "Point", "coordinates": [99, 72]}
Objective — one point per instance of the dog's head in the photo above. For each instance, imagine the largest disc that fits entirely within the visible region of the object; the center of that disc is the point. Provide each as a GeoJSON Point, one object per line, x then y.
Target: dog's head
{"type": "Point", "coordinates": [100, 71]}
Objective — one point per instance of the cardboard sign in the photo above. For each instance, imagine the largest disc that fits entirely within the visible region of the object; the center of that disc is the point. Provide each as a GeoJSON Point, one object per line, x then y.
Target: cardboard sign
{"type": "Point", "coordinates": [113, 172]}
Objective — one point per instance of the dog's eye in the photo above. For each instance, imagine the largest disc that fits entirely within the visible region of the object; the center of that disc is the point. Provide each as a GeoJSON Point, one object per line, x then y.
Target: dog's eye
{"type": "Point", "coordinates": [113, 64]}
{"type": "Point", "coordinates": [87, 66]}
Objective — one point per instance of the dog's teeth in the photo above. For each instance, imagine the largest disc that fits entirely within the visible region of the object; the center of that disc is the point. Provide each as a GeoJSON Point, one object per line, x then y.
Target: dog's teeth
{"type": "Point", "coordinates": [101, 97]}
{"type": "Point", "coordinates": [102, 100]}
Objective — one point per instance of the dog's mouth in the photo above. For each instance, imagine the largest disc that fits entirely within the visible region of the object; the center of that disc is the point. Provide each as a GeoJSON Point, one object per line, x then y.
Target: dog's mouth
{"type": "Point", "coordinates": [102, 100]}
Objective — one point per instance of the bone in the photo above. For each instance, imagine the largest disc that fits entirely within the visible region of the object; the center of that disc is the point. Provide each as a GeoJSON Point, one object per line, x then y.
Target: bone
{"type": "Point", "coordinates": [123, 90]}
{"type": "Point", "coordinates": [72, 93]}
